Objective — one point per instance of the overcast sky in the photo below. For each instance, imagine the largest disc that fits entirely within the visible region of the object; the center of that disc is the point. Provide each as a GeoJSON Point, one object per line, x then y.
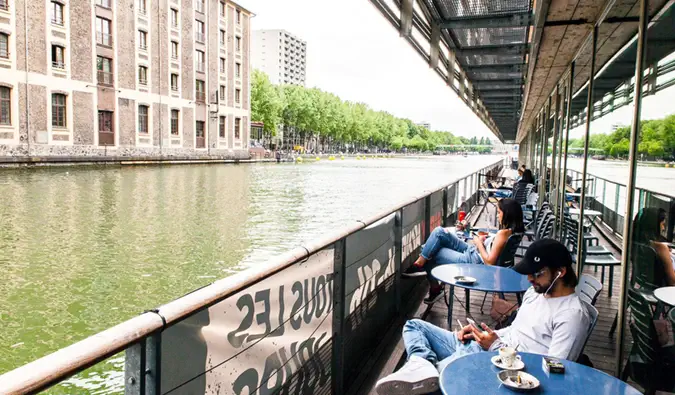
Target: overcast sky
{"type": "Point", "coordinates": [354, 52]}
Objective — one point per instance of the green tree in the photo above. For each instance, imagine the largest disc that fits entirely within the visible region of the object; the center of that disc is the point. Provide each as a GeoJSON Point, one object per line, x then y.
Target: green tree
{"type": "Point", "coordinates": [266, 102]}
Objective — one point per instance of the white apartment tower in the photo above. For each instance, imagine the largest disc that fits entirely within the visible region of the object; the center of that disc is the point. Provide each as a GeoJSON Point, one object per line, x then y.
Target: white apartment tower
{"type": "Point", "coordinates": [280, 55]}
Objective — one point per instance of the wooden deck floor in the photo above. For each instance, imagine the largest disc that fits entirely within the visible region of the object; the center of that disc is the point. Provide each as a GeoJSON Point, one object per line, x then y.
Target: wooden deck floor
{"type": "Point", "coordinates": [600, 347]}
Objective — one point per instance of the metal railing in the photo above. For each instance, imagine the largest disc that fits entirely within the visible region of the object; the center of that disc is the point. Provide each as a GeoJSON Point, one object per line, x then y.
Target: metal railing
{"type": "Point", "coordinates": [58, 65]}
{"type": "Point", "coordinates": [4, 5]}
{"type": "Point", "coordinates": [200, 97]}
{"type": "Point", "coordinates": [609, 197]}
{"type": "Point", "coordinates": [307, 321]}
{"type": "Point", "coordinates": [199, 37]}
{"type": "Point", "coordinates": [105, 77]}
{"type": "Point", "coordinates": [104, 39]}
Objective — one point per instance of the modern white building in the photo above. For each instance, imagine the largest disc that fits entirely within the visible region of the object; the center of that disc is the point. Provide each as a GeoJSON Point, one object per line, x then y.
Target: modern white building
{"type": "Point", "coordinates": [280, 55]}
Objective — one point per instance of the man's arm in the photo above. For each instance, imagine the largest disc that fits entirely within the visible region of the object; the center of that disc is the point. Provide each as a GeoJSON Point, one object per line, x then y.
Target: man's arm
{"type": "Point", "coordinates": [570, 329]}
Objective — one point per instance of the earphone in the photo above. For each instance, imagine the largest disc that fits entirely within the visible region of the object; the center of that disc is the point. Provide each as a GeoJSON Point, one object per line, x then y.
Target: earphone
{"type": "Point", "coordinates": [553, 282]}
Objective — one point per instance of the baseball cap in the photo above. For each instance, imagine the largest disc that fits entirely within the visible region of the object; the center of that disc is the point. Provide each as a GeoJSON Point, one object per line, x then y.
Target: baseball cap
{"type": "Point", "coordinates": [544, 253]}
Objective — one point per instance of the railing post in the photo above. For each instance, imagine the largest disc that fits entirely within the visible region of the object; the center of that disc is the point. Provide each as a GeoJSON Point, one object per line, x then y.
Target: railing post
{"type": "Point", "coordinates": [134, 369]}
{"type": "Point", "coordinates": [153, 364]}
{"type": "Point", "coordinates": [398, 257]}
{"type": "Point", "coordinates": [427, 216]}
{"type": "Point", "coordinates": [337, 362]}
{"type": "Point", "coordinates": [616, 199]}
{"type": "Point", "coordinates": [445, 207]}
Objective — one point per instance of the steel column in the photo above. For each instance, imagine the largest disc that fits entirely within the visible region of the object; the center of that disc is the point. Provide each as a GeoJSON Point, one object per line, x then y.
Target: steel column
{"type": "Point", "coordinates": [554, 151]}
{"type": "Point", "coordinates": [589, 103]}
{"type": "Point", "coordinates": [630, 188]}
{"type": "Point", "coordinates": [337, 361]}
{"type": "Point", "coordinates": [563, 174]}
{"type": "Point", "coordinates": [544, 154]}
{"type": "Point", "coordinates": [406, 17]}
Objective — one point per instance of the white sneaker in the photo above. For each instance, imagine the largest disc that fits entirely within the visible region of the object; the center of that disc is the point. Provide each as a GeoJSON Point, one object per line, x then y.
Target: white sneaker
{"type": "Point", "coordinates": [417, 376]}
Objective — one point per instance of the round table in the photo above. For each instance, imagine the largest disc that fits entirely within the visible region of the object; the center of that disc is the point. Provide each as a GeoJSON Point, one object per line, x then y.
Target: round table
{"type": "Point", "coordinates": [488, 279]}
{"type": "Point", "coordinates": [587, 212]}
{"type": "Point", "coordinates": [475, 374]}
{"type": "Point", "coordinates": [665, 295]}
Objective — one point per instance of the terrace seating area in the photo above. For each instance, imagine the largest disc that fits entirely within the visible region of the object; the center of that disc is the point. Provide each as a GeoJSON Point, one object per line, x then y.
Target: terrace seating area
{"type": "Point", "coordinates": [594, 287]}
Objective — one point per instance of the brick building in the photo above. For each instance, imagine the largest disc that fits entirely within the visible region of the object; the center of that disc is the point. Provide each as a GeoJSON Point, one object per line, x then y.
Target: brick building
{"type": "Point", "coordinates": [125, 78]}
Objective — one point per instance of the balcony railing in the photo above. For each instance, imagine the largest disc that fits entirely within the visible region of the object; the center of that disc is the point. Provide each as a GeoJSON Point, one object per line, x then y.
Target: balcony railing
{"type": "Point", "coordinates": [104, 39]}
{"type": "Point", "coordinates": [143, 81]}
{"type": "Point", "coordinates": [200, 97]}
{"type": "Point", "coordinates": [199, 37]}
{"type": "Point", "coordinates": [352, 292]}
{"type": "Point", "coordinates": [105, 77]}
{"type": "Point", "coordinates": [4, 54]}
{"type": "Point", "coordinates": [58, 65]}
{"type": "Point", "coordinates": [57, 20]}
{"type": "Point", "coordinates": [4, 5]}
{"type": "Point", "coordinates": [143, 47]}
{"type": "Point", "coordinates": [201, 67]}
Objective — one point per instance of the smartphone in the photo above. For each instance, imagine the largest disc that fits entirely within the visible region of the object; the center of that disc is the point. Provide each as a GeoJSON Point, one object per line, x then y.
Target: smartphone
{"type": "Point", "coordinates": [473, 323]}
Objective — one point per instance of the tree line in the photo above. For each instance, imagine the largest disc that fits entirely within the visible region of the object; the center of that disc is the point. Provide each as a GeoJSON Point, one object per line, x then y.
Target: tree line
{"type": "Point", "coordinates": [310, 115]}
{"type": "Point", "coordinates": [656, 140]}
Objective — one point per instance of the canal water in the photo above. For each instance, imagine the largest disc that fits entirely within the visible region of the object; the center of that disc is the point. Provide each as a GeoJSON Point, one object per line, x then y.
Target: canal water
{"type": "Point", "coordinates": [82, 249]}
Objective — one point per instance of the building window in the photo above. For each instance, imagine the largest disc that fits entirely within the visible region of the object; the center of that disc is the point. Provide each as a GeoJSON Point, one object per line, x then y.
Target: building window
{"type": "Point", "coordinates": [222, 65]}
{"type": "Point", "coordinates": [105, 121]}
{"type": "Point", "coordinates": [221, 127]}
{"type": "Point", "coordinates": [222, 94]}
{"type": "Point", "coordinates": [143, 75]}
{"type": "Point", "coordinates": [237, 69]}
{"type": "Point", "coordinates": [142, 7]}
{"type": "Point", "coordinates": [223, 38]}
{"type": "Point", "coordinates": [58, 110]}
{"type": "Point", "coordinates": [174, 122]}
{"type": "Point", "coordinates": [199, 130]}
{"type": "Point", "coordinates": [4, 45]}
{"type": "Point", "coordinates": [174, 82]}
{"type": "Point", "coordinates": [5, 105]}
{"type": "Point", "coordinates": [57, 13]}
{"type": "Point", "coordinates": [143, 119]}
{"type": "Point", "coordinates": [103, 3]}
{"type": "Point", "coordinates": [237, 127]}
{"type": "Point", "coordinates": [104, 70]}
{"type": "Point", "coordinates": [174, 50]}
{"type": "Point", "coordinates": [199, 6]}
{"type": "Point", "coordinates": [4, 5]}
{"type": "Point", "coordinates": [58, 57]}
{"type": "Point", "coordinates": [201, 95]}
{"type": "Point", "coordinates": [199, 32]}
{"type": "Point", "coordinates": [237, 96]}
{"type": "Point", "coordinates": [142, 40]}
{"type": "Point", "coordinates": [174, 17]}
{"type": "Point", "coordinates": [103, 36]}
{"type": "Point", "coordinates": [238, 17]}
{"type": "Point", "coordinates": [222, 9]}
{"type": "Point", "coordinates": [238, 44]}
{"type": "Point", "coordinates": [200, 61]}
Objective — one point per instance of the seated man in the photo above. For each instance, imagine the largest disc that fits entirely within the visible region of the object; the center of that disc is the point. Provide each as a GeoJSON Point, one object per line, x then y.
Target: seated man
{"type": "Point", "coordinates": [551, 321]}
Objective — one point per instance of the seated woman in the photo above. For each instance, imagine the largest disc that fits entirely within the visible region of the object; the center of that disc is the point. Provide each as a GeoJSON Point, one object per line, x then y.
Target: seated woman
{"type": "Point", "coordinates": [648, 227]}
{"type": "Point", "coordinates": [444, 247]}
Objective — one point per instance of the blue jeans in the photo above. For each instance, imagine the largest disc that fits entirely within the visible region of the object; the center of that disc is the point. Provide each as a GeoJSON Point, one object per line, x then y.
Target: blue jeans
{"type": "Point", "coordinates": [435, 344]}
{"type": "Point", "coordinates": [445, 248]}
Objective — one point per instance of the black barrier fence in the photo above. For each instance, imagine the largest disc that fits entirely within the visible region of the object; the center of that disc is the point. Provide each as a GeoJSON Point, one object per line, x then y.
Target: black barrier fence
{"type": "Point", "coordinates": [308, 324]}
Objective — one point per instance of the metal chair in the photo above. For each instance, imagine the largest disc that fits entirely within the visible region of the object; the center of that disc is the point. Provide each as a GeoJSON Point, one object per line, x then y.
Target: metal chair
{"type": "Point", "coordinates": [593, 312]}
{"type": "Point", "coordinates": [544, 229]}
{"type": "Point", "coordinates": [530, 233]}
{"type": "Point", "coordinates": [506, 259]}
{"type": "Point", "coordinates": [588, 289]}
{"type": "Point", "coordinates": [649, 364]}
{"type": "Point", "coordinates": [571, 239]}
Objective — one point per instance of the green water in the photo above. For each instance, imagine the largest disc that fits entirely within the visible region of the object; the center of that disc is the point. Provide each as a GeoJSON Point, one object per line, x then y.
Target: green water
{"type": "Point", "coordinates": [82, 249]}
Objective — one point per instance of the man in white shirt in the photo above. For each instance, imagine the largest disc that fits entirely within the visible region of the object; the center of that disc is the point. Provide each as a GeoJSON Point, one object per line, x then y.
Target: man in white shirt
{"type": "Point", "coordinates": [552, 321]}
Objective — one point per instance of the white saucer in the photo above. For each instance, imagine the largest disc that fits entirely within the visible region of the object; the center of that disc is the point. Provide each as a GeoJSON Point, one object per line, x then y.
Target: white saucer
{"type": "Point", "coordinates": [509, 379]}
{"type": "Point", "coordinates": [464, 279]}
{"type": "Point", "coordinates": [517, 365]}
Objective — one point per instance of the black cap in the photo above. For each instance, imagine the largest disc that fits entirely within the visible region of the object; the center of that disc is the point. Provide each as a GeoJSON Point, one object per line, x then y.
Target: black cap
{"type": "Point", "coordinates": [544, 253]}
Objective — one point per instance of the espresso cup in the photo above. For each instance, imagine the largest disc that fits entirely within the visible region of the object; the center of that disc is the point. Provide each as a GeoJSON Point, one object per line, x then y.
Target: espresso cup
{"type": "Point", "coordinates": [508, 356]}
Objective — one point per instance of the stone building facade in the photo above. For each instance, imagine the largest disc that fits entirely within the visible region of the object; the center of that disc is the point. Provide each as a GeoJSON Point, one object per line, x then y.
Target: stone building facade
{"type": "Point", "coordinates": [124, 78]}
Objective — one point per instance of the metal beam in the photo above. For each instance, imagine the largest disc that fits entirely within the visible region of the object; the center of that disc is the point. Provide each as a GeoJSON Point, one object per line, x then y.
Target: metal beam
{"type": "Point", "coordinates": [471, 22]}
{"type": "Point", "coordinates": [488, 83]}
{"type": "Point", "coordinates": [487, 88]}
{"type": "Point", "coordinates": [512, 94]}
{"type": "Point", "coordinates": [406, 17]}
{"type": "Point", "coordinates": [434, 44]}
{"type": "Point", "coordinates": [485, 80]}
{"type": "Point", "coordinates": [497, 68]}
{"type": "Point", "coordinates": [568, 22]}
{"type": "Point", "coordinates": [493, 49]}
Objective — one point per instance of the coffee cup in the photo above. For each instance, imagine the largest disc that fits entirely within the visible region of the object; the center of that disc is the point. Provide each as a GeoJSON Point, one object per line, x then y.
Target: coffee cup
{"type": "Point", "coordinates": [508, 356]}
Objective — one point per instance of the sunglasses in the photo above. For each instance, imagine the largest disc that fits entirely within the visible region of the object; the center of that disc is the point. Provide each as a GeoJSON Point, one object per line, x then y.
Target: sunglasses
{"type": "Point", "coordinates": [539, 273]}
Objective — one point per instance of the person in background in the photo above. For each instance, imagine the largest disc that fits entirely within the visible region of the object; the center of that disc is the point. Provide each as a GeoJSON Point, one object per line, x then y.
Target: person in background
{"type": "Point", "coordinates": [444, 247]}
{"type": "Point", "coordinates": [552, 321]}
{"type": "Point", "coordinates": [648, 228]}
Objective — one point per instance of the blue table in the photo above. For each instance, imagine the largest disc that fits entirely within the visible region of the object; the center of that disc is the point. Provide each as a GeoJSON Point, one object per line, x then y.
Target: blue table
{"type": "Point", "coordinates": [488, 279]}
{"type": "Point", "coordinates": [475, 374]}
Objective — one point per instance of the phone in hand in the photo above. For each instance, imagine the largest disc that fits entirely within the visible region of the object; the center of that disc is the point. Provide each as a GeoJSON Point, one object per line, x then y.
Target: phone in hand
{"type": "Point", "coordinates": [473, 324]}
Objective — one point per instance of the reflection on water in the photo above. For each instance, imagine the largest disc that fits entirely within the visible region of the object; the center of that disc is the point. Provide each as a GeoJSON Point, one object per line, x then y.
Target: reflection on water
{"type": "Point", "coordinates": [84, 249]}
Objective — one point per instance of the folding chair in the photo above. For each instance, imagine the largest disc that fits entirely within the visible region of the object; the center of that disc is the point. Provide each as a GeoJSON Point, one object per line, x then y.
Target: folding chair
{"type": "Point", "coordinates": [588, 289]}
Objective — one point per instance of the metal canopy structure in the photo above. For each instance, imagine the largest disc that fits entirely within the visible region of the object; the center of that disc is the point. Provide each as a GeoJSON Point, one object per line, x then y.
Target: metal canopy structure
{"type": "Point", "coordinates": [479, 47]}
